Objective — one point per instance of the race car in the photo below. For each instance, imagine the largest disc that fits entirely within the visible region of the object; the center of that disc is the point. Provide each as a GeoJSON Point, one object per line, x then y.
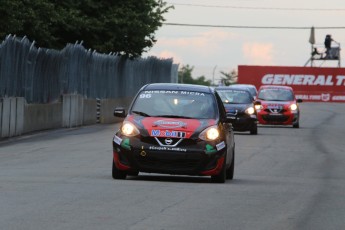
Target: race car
{"type": "Point", "coordinates": [178, 129]}
{"type": "Point", "coordinates": [239, 105]}
{"type": "Point", "coordinates": [251, 88]}
{"type": "Point", "coordinates": [277, 105]}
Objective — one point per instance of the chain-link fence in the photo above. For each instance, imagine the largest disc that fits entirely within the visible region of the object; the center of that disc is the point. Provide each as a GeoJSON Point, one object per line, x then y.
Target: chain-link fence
{"type": "Point", "coordinates": [43, 75]}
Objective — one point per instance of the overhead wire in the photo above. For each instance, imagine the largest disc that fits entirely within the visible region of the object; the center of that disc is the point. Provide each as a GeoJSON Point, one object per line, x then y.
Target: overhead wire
{"type": "Point", "coordinates": [253, 27]}
{"type": "Point", "coordinates": [259, 8]}
{"type": "Point", "coordinates": [255, 8]}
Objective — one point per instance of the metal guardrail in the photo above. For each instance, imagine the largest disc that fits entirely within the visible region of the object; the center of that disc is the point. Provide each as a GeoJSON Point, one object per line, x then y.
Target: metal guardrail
{"type": "Point", "coordinates": [43, 75]}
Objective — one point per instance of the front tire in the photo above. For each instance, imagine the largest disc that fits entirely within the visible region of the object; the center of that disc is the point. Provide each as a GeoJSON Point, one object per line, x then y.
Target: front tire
{"type": "Point", "coordinates": [254, 130]}
{"type": "Point", "coordinates": [118, 174]}
{"type": "Point", "coordinates": [231, 169]}
{"type": "Point", "coordinates": [296, 125]}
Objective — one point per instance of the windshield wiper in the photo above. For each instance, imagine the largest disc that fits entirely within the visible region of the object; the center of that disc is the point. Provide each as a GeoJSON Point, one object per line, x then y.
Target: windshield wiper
{"type": "Point", "coordinates": [141, 113]}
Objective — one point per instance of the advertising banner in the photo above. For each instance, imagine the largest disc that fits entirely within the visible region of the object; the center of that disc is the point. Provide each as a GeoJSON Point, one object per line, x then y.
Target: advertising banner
{"type": "Point", "coordinates": [309, 83]}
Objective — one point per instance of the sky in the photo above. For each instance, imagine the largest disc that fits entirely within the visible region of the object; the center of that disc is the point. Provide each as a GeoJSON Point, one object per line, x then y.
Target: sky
{"type": "Point", "coordinates": [232, 36]}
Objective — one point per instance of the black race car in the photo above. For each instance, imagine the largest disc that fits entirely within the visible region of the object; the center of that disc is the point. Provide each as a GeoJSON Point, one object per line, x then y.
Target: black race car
{"type": "Point", "coordinates": [239, 105]}
{"type": "Point", "coordinates": [251, 88]}
{"type": "Point", "coordinates": [177, 129]}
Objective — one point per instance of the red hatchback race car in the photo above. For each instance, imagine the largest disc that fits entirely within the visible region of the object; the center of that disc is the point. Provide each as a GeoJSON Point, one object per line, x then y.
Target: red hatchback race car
{"type": "Point", "coordinates": [175, 129]}
{"type": "Point", "coordinates": [277, 105]}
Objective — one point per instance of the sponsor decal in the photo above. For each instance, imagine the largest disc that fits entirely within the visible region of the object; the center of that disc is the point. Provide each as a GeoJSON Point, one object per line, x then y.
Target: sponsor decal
{"type": "Point", "coordinates": [163, 148]}
{"type": "Point", "coordinates": [325, 97]}
{"type": "Point", "coordinates": [274, 106]}
{"type": "Point", "coordinates": [338, 98]}
{"type": "Point", "coordinates": [316, 97]}
{"type": "Point", "coordinates": [150, 92]}
{"type": "Point", "coordinates": [125, 144]}
{"type": "Point", "coordinates": [117, 140]}
{"type": "Point", "coordinates": [210, 149]}
{"type": "Point", "coordinates": [167, 133]}
{"type": "Point", "coordinates": [220, 146]}
{"type": "Point", "coordinates": [301, 79]}
{"type": "Point", "coordinates": [169, 124]}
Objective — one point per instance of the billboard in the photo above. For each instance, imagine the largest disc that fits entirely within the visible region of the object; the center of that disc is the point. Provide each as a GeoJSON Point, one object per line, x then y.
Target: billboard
{"type": "Point", "coordinates": [309, 83]}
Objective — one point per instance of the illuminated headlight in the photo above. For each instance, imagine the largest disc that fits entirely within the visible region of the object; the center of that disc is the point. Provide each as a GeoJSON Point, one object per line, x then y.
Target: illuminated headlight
{"type": "Point", "coordinates": [209, 134]}
{"type": "Point", "coordinates": [293, 107]}
{"type": "Point", "coordinates": [128, 129]}
{"type": "Point", "coordinates": [250, 111]}
{"type": "Point", "coordinates": [258, 107]}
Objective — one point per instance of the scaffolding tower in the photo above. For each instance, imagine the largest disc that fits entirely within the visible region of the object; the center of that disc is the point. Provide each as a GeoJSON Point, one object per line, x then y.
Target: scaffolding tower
{"type": "Point", "coordinates": [319, 54]}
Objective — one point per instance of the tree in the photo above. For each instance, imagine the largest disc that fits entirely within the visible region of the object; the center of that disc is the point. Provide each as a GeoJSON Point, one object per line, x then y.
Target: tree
{"type": "Point", "coordinates": [229, 78]}
{"type": "Point", "coordinates": [125, 27]}
{"type": "Point", "coordinates": [185, 76]}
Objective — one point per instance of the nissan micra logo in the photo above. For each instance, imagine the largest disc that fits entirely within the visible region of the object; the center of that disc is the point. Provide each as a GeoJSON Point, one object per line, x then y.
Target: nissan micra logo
{"type": "Point", "coordinates": [168, 141]}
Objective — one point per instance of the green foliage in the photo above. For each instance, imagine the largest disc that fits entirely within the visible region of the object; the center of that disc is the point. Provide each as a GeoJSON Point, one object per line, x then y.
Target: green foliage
{"type": "Point", "coordinates": [229, 78]}
{"type": "Point", "coordinates": [126, 27]}
{"type": "Point", "coordinates": [185, 76]}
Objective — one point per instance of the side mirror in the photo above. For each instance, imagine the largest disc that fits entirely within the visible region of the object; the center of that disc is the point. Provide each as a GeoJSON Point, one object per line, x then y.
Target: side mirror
{"type": "Point", "coordinates": [119, 112]}
{"type": "Point", "coordinates": [299, 100]}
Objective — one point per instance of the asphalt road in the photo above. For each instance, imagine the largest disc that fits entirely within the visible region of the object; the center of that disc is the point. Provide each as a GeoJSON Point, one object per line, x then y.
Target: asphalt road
{"type": "Point", "coordinates": [285, 178]}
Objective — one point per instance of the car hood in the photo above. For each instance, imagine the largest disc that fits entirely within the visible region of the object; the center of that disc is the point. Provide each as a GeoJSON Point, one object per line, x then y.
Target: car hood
{"type": "Point", "coordinates": [236, 107]}
{"type": "Point", "coordinates": [170, 127]}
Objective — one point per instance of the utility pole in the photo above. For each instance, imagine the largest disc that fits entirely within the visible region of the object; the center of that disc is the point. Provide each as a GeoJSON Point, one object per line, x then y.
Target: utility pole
{"type": "Point", "coordinates": [214, 69]}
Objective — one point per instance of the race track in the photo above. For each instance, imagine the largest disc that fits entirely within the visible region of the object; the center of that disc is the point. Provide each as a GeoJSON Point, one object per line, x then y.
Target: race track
{"type": "Point", "coordinates": [285, 178]}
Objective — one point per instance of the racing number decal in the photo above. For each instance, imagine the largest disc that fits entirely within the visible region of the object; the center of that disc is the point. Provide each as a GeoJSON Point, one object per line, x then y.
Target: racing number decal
{"type": "Point", "coordinates": [145, 96]}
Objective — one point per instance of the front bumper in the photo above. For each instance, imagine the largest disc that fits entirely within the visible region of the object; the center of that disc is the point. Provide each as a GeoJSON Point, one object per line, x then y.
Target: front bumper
{"type": "Point", "coordinates": [244, 122]}
{"type": "Point", "coordinates": [286, 118]}
{"type": "Point", "coordinates": [199, 159]}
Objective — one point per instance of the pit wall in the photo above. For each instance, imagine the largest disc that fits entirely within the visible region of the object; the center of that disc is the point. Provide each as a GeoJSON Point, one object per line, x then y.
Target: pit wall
{"type": "Point", "coordinates": [18, 118]}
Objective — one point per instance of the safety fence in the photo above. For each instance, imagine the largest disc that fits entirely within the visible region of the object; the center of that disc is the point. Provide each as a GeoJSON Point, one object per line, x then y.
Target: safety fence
{"type": "Point", "coordinates": [43, 75]}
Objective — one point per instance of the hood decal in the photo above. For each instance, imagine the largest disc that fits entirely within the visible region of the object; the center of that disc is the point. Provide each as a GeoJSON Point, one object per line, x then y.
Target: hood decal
{"type": "Point", "coordinates": [174, 127]}
{"type": "Point", "coordinates": [169, 124]}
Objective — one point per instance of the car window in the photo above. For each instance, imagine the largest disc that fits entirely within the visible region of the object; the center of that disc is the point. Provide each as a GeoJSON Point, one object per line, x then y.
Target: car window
{"type": "Point", "coordinates": [167, 103]}
{"type": "Point", "coordinates": [276, 95]}
{"type": "Point", "coordinates": [252, 91]}
{"type": "Point", "coordinates": [230, 96]}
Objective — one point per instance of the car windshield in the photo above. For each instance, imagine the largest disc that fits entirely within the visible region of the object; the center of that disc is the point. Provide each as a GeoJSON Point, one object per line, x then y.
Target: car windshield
{"type": "Point", "coordinates": [276, 95]}
{"type": "Point", "coordinates": [252, 91]}
{"type": "Point", "coordinates": [232, 96]}
{"type": "Point", "coordinates": [178, 104]}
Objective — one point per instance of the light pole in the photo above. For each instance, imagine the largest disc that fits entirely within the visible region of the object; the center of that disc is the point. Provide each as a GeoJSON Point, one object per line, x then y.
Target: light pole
{"type": "Point", "coordinates": [214, 69]}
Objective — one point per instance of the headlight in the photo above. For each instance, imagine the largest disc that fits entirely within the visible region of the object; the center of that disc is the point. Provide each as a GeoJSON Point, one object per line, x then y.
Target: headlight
{"type": "Point", "coordinates": [128, 129]}
{"type": "Point", "coordinates": [209, 134]}
{"type": "Point", "coordinates": [293, 107]}
{"type": "Point", "coordinates": [250, 111]}
{"type": "Point", "coordinates": [258, 107]}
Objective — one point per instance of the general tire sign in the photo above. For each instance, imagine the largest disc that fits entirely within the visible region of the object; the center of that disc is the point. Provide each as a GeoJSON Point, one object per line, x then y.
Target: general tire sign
{"type": "Point", "coordinates": [309, 83]}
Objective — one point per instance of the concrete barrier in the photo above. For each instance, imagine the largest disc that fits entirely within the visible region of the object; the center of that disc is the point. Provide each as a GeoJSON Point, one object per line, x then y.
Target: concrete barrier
{"type": "Point", "coordinates": [90, 112]}
{"type": "Point", "coordinates": [72, 110]}
{"type": "Point", "coordinates": [20, 104]}
{"type": "Point", "coordinates": [17, 117]}
{"type": "Point", "coordinates": [42, 116]}
{"type": "Point", "coordinates": [12, 116]}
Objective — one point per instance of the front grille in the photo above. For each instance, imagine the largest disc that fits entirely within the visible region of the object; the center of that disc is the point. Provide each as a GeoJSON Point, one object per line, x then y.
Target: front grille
{"type": "Point", "coordinates": [153, 162]}
{"type": "Point", "coordinates": [275, 118]}
{"type": "Point", "coordinates": [153, 141]}
{"type": "Point", "coordinates": [275, 110]}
